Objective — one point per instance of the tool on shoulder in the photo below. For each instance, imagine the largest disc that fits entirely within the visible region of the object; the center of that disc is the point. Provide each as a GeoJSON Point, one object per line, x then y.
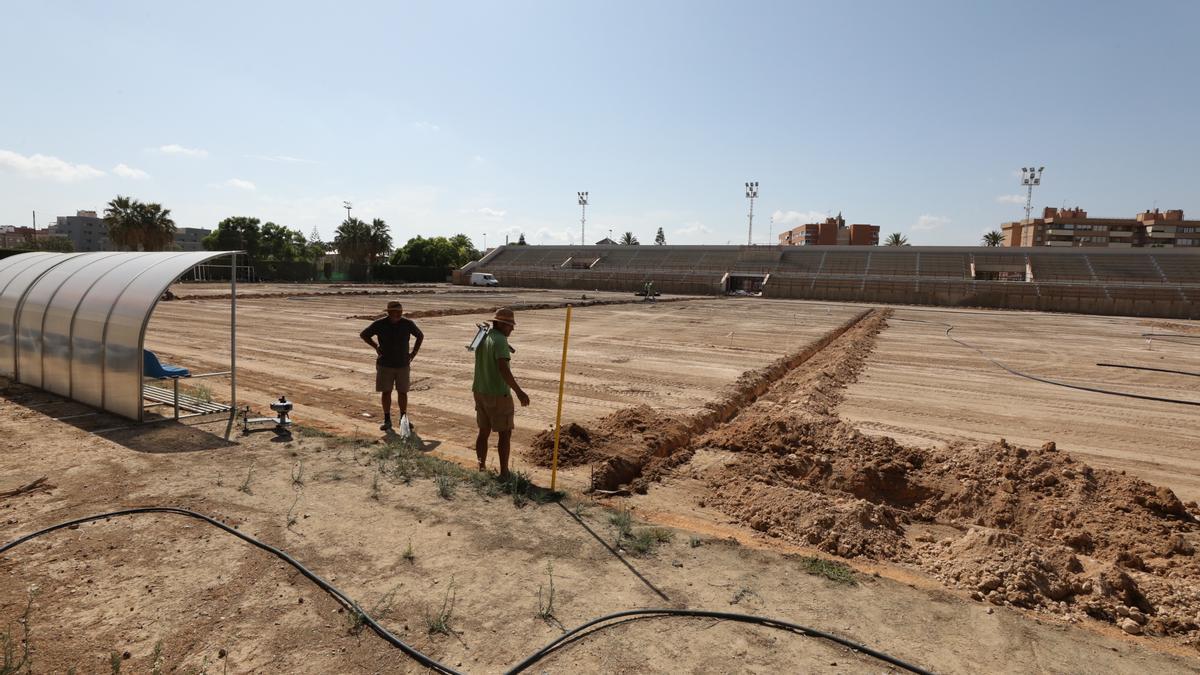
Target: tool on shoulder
{"type": "Point", "coordinates": [482, 329]}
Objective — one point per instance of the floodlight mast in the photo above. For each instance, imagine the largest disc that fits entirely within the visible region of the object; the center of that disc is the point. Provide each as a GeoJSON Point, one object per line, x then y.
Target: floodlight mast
{"type": "Point", "coordinates": [1030, 177]}
{"type": "Point", "coordinates": [751, 194]}
{"type": "Point", "coordinates": [347, 206]}
{"type": "Point", "coordinates": [583, 203]}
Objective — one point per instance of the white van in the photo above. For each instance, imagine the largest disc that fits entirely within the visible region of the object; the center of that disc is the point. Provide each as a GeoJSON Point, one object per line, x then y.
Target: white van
{"type": "Point", "coordinates": [483, 279]}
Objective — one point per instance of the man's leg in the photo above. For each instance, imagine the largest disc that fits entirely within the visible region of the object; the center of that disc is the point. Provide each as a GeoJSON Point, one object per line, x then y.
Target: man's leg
{"type": "Point", "coordinates": [481, 442]}
{"type": "Point", "coordinates": [402, 402]}
{"type": "Point", "coordinates": [502, 448]}
{"type": "Point", "coordinates": [385, 400]}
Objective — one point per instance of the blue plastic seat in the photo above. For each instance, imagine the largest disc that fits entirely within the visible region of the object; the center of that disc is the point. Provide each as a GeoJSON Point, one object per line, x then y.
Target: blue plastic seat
{"type": "Point", "coordinates": [152, 367]}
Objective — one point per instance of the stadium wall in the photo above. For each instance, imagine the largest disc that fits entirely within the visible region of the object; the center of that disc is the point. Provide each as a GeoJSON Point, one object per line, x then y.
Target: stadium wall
{"type": "Point", "coordinates": [1127, 282]}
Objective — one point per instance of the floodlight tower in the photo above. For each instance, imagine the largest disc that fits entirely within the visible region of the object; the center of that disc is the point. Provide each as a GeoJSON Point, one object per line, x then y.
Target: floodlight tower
{"type": "Point", "coordinates": [583, 202]}
{"type": "Point", "coordinates": [347, 206]}
{"type": "Point", "coordinates": [1029, 178]}
{"type": "Point", "coordinates": [751, 194]}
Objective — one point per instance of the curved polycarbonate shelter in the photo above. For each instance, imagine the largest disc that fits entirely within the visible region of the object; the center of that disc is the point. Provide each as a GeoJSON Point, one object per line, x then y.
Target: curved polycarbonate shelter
{"type": "Point", "coordinates": [75, 323]}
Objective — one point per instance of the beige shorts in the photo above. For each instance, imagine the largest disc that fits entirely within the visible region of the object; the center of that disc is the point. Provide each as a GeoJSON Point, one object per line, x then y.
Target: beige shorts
{"type": "Point", "coordinates": [494, 412]}
{"type": "Point", "coordinates": [387, 379]}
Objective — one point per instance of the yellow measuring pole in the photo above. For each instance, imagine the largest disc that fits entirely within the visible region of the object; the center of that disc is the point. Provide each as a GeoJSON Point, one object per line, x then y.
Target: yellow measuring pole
{"type": "Point", "coordinates": [562, 377]}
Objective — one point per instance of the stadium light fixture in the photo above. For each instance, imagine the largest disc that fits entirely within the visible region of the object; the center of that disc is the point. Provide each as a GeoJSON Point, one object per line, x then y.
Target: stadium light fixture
{"type": "Point", "coordinates": [347, 206]}
{"type": "Point", "coordinates": [583, 203]}
{"type": "Point", "coordinates": [751, 194]}
{"type": "Point", "coordinates": [1030, 178]}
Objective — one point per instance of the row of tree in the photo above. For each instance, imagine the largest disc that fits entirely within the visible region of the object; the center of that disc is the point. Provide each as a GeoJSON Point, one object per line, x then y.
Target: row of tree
{"type": "Point", "coordinates": [993, 238]}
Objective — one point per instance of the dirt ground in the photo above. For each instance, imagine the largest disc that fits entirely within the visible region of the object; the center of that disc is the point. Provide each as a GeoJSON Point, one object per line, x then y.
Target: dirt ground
{"type": "Point", "coordinates": [133, 587]}
{"type": "Point", "coordinates": [921, 387]}
{"type": "Point", "coordinates": [758, 374]}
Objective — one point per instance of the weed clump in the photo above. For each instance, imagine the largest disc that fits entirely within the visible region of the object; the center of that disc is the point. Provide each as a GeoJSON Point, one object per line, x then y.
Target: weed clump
{"type": "Point", "coordinates": [439, 621]}
{"type": "Point", "coordinates": [834, 571]}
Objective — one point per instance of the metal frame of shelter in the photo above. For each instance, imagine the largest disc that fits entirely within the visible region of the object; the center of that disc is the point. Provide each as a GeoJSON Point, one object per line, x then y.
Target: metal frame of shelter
{"type": "Point", "coordinates": [75, 324]}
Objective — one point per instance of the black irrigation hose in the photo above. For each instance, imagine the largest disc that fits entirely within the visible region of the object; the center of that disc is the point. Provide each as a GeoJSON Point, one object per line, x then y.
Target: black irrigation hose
{"type": "Point", "coordinates": [312, 576]}
{"type": "Point", "coordinates": [429, 662]}
{"type": "Point", "coordinates": [1035, 378]}
{"type": "Point", "coordinates": [1157, 370]}
{"type": "Point", "coordinates": [727, 616]}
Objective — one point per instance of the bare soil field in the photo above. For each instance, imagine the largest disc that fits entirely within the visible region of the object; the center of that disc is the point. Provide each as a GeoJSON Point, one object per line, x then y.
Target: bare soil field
{"type": "Point", "coordinates": [767, 436]}
{"type": "Point", "coordinates": [922, 387]}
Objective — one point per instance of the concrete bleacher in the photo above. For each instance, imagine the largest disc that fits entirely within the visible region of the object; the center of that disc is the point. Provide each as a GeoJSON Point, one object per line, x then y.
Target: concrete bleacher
{"type": "Point", "coordinates": [1139, 282]}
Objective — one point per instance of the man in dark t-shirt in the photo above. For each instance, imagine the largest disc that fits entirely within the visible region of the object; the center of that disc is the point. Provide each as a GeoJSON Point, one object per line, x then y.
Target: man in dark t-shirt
{"type": "Point", "coordinates": [391, 366]}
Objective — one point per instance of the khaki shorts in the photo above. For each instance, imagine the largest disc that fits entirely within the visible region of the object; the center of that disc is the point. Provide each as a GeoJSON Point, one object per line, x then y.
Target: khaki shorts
{"type": "Point", "coordinates": [494, 412]}
{"type": "Point", "coordinates": [387, 379]}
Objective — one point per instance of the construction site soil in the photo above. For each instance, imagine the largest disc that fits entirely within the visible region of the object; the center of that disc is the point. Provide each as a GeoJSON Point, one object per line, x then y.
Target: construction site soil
{"type": "Point", "coordinates": [804, 428]}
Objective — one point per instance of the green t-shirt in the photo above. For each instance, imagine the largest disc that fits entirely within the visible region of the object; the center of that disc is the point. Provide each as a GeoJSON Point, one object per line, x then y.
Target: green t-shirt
{"type": "Point", "coordinates": [487, 372]}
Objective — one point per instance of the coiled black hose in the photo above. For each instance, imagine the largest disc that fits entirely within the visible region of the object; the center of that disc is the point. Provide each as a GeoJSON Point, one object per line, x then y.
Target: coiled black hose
{"type": "Point", "coordinates": [429, 662]}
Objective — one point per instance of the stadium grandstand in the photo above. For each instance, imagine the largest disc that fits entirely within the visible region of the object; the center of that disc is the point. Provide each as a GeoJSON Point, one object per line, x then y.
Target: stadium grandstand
{"type": "Point", "coordinates": [1131, 282]}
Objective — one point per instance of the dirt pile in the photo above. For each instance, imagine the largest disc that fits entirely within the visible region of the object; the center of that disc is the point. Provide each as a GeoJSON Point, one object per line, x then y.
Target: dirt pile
{"type": "Point", "coordinates": [1027, 527]}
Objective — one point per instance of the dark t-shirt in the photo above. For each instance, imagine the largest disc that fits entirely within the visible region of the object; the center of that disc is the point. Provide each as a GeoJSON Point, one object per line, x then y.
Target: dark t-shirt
{"type": "Point", "coordinates": [393, 340]}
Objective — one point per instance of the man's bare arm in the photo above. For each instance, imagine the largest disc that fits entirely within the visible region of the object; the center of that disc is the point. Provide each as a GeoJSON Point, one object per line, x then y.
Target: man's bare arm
{"type": "Point", "coordinates": [506, 373]}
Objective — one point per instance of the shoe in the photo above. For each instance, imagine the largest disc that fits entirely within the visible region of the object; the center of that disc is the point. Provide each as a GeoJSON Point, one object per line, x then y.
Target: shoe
{"type": "Point", "coordinates": [387, 424]}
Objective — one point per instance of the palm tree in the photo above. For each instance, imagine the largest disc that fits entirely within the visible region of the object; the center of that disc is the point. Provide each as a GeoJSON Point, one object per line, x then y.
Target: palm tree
{"type": "Point", "coordinates": [896, 239]}
{"type": "Point", "coordinates": [353, 240]}
{"type": "Point", "coordinates": [993, 238]}
{"type": "Point", "coordinates": [380, 240]}
{"type": "Point", "coordinates": [139, 227]}
{"type": "Point", "coordinates": [157, 229]}
{"type": "Point", "coordinates": [119, 216]}
{"type": "Point", "coordinates": [628, 239]}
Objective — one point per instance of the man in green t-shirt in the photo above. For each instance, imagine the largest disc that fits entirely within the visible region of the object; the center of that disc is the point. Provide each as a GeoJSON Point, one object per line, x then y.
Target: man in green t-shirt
{"type": "Point", "coordinates": [493, 387]}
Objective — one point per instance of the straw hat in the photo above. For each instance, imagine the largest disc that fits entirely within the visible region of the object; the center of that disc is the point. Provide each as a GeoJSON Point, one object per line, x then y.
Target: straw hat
{"type": "Point", "coordinates": [505, 315]}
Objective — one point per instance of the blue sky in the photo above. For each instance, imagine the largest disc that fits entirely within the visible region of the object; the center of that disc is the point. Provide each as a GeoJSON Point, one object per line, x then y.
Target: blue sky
{"type": "Point", "coordinates": [487, 118]}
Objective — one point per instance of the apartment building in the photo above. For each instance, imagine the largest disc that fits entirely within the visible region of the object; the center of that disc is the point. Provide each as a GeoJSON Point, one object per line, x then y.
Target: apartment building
{"type": "Point", "coordinates": [1074, 227]}
{"type": "Point", "coordinates": [833, 231]}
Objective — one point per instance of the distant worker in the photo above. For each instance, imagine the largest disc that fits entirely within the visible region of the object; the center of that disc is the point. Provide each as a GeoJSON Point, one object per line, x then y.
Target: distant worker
{"type": "Point", "coordinates": [649, 290]}
{"type": "Point", "coordinates": [493, 387]}
{"type": "Point", "coordinates": [392, 364]}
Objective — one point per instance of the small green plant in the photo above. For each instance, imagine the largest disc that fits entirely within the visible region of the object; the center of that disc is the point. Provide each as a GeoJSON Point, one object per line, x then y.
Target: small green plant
{"type": "Point", "coordinates": [245, 486]}
{"type": "Point", "coordinates": [408, 552]}
{"type": "Point", "coordinates": [446, 485]}
{"type": "Point", "coordinates": [219, 483]}
{"type": "Point", "coordinates": [202, 393]}
{"type": "Point", "coordinates": [645, 540]}
{"type": "Point", "coordinates": [834, 571]}
{"type": "Point", "coordinates": [114, 662]}
{"type": "Point", "coordinates": [12, 663]}
{"type": "Point", "coordinates": [157, 659]}
{"type": "Point", "coordinates": [545, 595]}
{"type": "Point", "coordinates": [291, 514]}
{"type": "Point", "coordinates": [439, 622]}
{"type": "Point", "coordinates": [622, 519]}
{"type": "Point", "coordinates": [695, 542]}
{"type": "Point", "coordinates": [298, 475]}
{"type": "Point", "coordinates": [375, 486]}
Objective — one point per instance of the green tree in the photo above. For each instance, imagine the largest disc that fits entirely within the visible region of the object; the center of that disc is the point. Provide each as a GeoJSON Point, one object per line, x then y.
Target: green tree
{"type": "Point", "coordinates": [896, 239]}
{"type": "Point", "coordinates": [353, 240]}
{"type": "Point", "coordinates": [236, 233]}
{"type": "Point", "coordinates": [139, 226]}
{"type": "Point", "coordinates": [628, 239]}
{"type": "Point", "coordinates": [993, 238]}
{"type": "Point", "coordinates": [381, 240]}
{"type": "Point", "coordinates": [283, 244]}
{"type": "Point", "coordinates": [660, 238]}
{"type": "Point", "coordinates": [436, 252]}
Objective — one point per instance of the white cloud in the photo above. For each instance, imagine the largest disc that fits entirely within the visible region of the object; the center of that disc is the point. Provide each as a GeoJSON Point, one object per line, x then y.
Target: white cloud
{"type": "Point", "coordinates": [490, 213]}
{"type": "Point", "coordinates": [44, 166]}
{"type": "Point", "coordinates": [126, 171]}
{"type": "Point", "coordinates": [691, 228]}
{"type": "Point", "coordinates": [282, 158]}
{"type": "Point", "coordinates": [795, 218]}
{"type": "Point", "coordinates": [176, 149]}
{"type": "Point", "coordinates": [240, 184]}
{"type": "Point", "coordinates": [928, 222]}
{"type": "Point", "coordinates": [1011, 199]}
{"type": "Point", "coordinates": [477, 160]}
{"type": "Point", "coordinates": [426, 126]}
